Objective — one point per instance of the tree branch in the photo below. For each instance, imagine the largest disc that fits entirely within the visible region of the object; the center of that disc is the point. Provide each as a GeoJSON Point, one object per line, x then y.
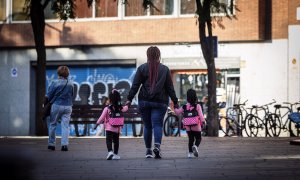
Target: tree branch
{"type": "Point", "coordinates": [46, 4]}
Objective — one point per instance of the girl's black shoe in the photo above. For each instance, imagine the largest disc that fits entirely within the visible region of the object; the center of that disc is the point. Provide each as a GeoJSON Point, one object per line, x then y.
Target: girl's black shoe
{"type": "Point", "coordinates": [64, 148]}
{"type": "Point", "coordinates": [51, 148]}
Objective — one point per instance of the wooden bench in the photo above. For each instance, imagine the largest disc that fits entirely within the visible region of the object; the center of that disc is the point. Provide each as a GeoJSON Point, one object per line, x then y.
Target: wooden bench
{"type": "Point", "coordinates": [89, 114]}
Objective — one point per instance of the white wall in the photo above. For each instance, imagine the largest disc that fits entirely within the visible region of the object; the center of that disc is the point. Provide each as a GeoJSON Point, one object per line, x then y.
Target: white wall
{"type": "Point", "coordinates": [294, 64]}
{"type": "Point", "coordinates": [263, 70]}
{"type": "Point", "coordinates": [14, 92]}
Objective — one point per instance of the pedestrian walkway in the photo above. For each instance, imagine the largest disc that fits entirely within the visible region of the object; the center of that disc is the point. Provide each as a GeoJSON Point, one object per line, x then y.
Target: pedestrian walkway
{"type": "Point", "coordinates": [220, 158]}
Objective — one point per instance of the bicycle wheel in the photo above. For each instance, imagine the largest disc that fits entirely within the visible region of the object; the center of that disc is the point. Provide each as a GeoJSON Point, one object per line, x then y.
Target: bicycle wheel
{"type": "Point", "coordinates": [251, 125]}
{"type": "Point", "coordinates": [171, 125]}
{"type": "Point", "coordinates": [273, 125]}
{"type": "Point", "coordinates": [294, 129]}
{"type": "Point", "coordinates": [223, 125]}
{"type": "Point", "coordinates": [232, 128]}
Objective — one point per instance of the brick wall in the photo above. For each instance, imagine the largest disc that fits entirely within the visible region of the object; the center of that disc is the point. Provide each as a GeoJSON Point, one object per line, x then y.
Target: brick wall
{"type": "Point", "coordinates": [249, 25]}
{"type": "Point", "coordinates": [280, 19]}
{"type": "Point", "coordinates": [293, 4]}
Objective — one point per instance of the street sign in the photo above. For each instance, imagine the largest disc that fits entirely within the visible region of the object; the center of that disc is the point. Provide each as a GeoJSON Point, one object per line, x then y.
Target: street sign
{"type": "Point", "coordinates": [215, 44]}
{"type": "Point", "coordinates": [14, 72]}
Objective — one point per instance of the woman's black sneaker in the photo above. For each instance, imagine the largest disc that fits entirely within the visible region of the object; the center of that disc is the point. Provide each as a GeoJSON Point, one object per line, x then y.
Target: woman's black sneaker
{"type": "Point", "coordinates": [157, 153]}
{"type": "Point", "coordinates": [51, 148]}
{"type": "Point", "coordinates": [64, 148]}
{"type": "Point", "coordinates": [149, 154]}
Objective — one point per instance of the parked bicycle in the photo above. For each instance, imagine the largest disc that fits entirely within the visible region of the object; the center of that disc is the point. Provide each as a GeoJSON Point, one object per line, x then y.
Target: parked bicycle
{"type": "Point", "coordinates": [287, 118]}
{"type": "Point", "coordinates": [255, 122]}
{"type": "Point", "coordinates": [234, 124]}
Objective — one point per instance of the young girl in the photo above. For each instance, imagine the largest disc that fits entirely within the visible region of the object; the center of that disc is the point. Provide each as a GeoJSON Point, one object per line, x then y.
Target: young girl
{"type": "Point", "coordinates": [112, 131]}
{"type": "Point", "coordinates": [100, 132]}
{"type": "Point", "coordinates": [193, 127]}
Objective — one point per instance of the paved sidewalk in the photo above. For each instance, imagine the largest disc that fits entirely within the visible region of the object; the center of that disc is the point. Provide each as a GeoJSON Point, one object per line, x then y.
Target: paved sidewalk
{"type": "Point", "coordinates": [220, 158]}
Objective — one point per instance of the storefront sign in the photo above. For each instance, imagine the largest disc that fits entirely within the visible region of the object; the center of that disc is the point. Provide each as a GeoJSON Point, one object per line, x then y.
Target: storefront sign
{"type": "Point", "coordinates": [184, 63]}
{"type": "Point", "coordinates": [199, 63]}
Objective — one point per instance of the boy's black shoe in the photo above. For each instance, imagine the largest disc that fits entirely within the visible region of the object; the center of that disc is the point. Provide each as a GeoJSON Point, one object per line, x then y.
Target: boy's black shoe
{"type": "Point", "coordinates": [64, 148]}
{"type": "Point", "coordinates": [51, 148]}
{"type": "Point", "coordinates": [157, 153]}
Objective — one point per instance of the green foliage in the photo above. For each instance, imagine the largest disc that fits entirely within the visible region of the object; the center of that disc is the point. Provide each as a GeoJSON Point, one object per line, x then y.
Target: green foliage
{"type": "Point", "coordinates": [65, 9]}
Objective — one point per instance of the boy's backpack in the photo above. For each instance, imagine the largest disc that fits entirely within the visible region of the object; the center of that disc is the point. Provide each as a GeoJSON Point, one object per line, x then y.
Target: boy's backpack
{"type": "Point", "coordinates": [116, 117]}
{"type": "Point", "coordinates": [190, 117]}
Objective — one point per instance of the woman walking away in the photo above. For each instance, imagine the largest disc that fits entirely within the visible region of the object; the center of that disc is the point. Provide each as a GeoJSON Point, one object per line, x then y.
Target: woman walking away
{"type": "Point", "coordinates": [60, 94]}
{"type": "Point", "coordinates": [153, 99]}
{"type": "Point", "coordinates": [192, 120]}
{"type": "Point", "coordinates": [113, 119]}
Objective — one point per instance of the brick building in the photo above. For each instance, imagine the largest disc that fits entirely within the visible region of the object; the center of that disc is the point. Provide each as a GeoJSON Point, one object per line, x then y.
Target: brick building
{"type": "Point", "coordinates": [258, 54]}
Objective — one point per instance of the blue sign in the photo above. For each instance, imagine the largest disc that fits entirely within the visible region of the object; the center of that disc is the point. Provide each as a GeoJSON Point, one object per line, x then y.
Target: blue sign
{"type": "Point", "coordinates": [14, 72]}
{"type": "Point", "coordinates": [215, 44]}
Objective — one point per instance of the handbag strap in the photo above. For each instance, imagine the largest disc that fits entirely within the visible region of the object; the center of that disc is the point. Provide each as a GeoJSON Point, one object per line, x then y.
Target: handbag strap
{"type": "Point", "coordinates": [56, 95]}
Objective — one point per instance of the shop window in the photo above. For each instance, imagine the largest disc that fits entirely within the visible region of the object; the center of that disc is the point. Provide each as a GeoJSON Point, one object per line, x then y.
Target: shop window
{"type": "Point", "coordinates": [227, 84]}
{"type": "Point", "coordinates": [106, 8]}
{"type": "Point", "coordinates": [135, 8]}
{"type": "Point", "coordinates": [2, 10]}
{"type": "Point", "coordinates": [165, 7]}
{"type": "Point", "coordinates": [18, 13]}
{"type": "Point", "coordinates": [82, 9]}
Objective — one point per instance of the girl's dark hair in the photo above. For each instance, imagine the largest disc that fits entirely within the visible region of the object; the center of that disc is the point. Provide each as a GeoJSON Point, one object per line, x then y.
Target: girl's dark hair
{"type": "Point", "coordinates": [191, 97]}
{"type": "Point", "coordinates": [115, 99]}
{"type": "Point", "coordinates": [153, 59]}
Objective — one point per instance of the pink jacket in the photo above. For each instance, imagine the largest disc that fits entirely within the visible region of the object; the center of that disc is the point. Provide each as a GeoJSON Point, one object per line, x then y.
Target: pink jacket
{"type": "Point", "coordinates": [104, 119]}
{"type": "Point", "coordinates": [202, 120]}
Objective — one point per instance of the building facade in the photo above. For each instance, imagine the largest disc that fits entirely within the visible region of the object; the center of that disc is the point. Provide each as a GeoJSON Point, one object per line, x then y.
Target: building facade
{"type": "Point", "coordinates": [258, 52]}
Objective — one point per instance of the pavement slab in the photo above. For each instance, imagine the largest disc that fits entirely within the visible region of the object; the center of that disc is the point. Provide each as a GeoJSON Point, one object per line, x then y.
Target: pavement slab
{"type": "Point", "coordinates": [219, 158]}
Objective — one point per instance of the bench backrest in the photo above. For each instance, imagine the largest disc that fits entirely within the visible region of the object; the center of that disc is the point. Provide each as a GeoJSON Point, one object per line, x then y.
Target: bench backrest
{"type": "Point", "coordinates": [95, 111]}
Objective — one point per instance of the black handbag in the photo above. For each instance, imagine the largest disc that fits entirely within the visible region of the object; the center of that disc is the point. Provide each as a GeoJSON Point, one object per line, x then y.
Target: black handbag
{"type": "Point", "coordinates": [46, 109]}
{"type": "Point", "coordinates": [48, 103]}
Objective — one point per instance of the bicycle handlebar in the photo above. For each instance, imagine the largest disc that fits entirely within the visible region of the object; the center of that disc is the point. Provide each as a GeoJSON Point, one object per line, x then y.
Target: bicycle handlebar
{"type": "Point", "coordinates": [290, 104]}
{"type": "Point", "coordinates": [243, 104]}
{"type": "Point", "coordinates": [274, 101]}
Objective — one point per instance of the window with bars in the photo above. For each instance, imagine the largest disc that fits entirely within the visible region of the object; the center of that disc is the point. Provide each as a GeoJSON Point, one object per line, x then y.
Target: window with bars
{"type": "Point", "coordinates": [18, 13]}
{"type": "Point", "coordinates": [111, 9]}
{"type": "Point", "coordinates": [189, 7]}
{"type": "Point", "coordinates": [2, 10]}
{"type": "Point", "coordinates": [106, 8]}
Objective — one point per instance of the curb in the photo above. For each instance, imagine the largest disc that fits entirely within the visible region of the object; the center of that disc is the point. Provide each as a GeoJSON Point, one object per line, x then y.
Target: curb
{"type": "Point", "coordinates": [295, 142]}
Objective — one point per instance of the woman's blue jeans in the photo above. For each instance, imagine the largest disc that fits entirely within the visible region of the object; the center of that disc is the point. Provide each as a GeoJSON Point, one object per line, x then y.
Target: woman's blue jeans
{"type": "Point", "coordinates": [153, 116]}
{"type": "Point", "coordinates": [62, 113]}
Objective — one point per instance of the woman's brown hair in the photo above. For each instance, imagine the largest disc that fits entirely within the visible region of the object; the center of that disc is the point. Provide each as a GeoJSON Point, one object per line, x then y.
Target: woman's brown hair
{"type": "Point", "coordinates": [63, 71]}
{"type": "Point", "coordinates": [153, 59]}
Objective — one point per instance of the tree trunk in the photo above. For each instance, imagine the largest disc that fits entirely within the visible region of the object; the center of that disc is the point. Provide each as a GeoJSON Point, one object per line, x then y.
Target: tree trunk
{"type": "Point", "coordinates": [38, 27]}
{"type": "Point", "coordinates": [207, 51]}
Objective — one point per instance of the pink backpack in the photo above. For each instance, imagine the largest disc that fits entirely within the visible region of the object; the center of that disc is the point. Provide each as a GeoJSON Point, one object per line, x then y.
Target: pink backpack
{"type": "Point", "coordinates": [116, 117]}
{"type": "Point", "coordinates": [190, 117]}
